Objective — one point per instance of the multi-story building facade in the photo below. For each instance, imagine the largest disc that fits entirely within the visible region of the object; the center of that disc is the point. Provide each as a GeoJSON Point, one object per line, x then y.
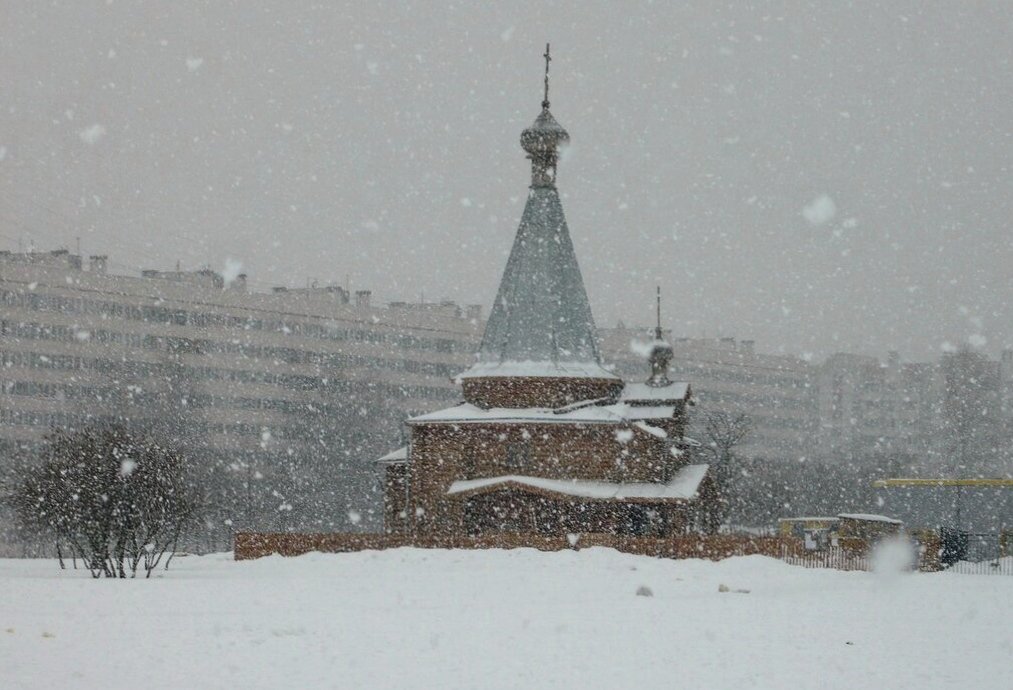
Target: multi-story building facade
{"type": "Point", "coordinates": [856, 404]}
{"type": "Point", "coordinates": [973, 402]}
{"type": "Point", "coordinates": [949, 416]}
{"type": "Point", "coordinates": [272, 389]}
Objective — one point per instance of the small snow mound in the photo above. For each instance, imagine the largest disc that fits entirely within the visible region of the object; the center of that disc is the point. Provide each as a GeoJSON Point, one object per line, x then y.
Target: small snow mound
{"type": "Point", "coordinates": [723, 588]}
{"type": "Point", "coordinates": [644, 591]}
{"type": "Point", "coordinates": [820, 210]}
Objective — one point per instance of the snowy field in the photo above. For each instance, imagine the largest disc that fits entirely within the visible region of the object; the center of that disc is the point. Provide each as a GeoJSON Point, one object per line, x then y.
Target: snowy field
{"type": "Point", "coordinates": [501, 619]}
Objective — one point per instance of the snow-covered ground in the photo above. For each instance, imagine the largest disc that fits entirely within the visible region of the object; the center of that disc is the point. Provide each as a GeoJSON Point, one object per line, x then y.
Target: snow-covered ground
{"type": "Point", "coordinates": [501, 619]}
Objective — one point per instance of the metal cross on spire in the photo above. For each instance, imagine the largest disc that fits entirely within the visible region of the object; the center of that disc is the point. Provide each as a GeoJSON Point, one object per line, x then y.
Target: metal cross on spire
{"type": "Point", "coordinates": [661, 353]}
{"type": "Point", "coordinates": [548, 59]}
{"type": "Point", "coordinates": [657, 329]}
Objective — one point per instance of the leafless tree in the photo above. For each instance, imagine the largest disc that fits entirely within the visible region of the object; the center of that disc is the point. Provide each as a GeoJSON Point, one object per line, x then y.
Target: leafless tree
{"type": "Point", "coordinates": [723, 432]}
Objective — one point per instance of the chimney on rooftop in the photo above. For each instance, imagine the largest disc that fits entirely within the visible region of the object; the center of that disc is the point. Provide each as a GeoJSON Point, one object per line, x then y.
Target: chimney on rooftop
{"type": "Point", "coordinates": [747, 346]}
{"type": "Point", "coordinates": [239, 283]}
{"type": "Point", "coordinates": [474, 312]}
{"type": "Point", "coordinates": [362, 298]}
{"type": "Point", "coordinates": [98, 263]}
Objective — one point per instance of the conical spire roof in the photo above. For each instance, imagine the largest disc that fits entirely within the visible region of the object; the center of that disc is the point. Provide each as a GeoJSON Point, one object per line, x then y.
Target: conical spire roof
{"type": "Point", "coordinates": [541, 318]}
{"type": "Point", "coordinates": [541, 323]}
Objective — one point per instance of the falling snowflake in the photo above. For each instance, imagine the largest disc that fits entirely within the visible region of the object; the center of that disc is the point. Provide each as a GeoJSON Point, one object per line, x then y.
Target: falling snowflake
{"type": "Point", "coordinates": [91, 135]}
{"type": "Point", "coordinates": [820, 210]}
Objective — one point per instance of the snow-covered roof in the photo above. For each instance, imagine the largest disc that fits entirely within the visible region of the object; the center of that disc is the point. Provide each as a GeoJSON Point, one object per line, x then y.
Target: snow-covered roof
{"type": "Point", "coordinates": [641, 391]}
{"type": "Point", "coordinates": [683, 486]}
{"type": "Point", "coordinates": [869, 517]}
{"type": "Point", "coordinates": [530, 368]}
{"type": "Point", "coordinates": [399, 455]}
{"type": "Point", "coordinates": [607, 414]}
{"type": "Point", "coordinates": [648, 412]}
{"type": "Point", "coordinates": [652, 430]}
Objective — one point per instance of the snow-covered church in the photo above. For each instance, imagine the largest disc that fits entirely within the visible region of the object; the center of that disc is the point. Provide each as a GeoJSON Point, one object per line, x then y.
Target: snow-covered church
{"type": "Point", "coordinates": [548, 441]}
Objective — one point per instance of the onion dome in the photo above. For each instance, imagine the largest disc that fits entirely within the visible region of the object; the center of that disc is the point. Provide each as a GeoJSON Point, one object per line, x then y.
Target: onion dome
{"type": "Point", "coordinates": [545, 135]}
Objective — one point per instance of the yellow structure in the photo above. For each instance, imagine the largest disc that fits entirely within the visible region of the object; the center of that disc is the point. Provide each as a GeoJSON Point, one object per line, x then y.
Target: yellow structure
{"type": "Point", "coordinates": [797, 526]}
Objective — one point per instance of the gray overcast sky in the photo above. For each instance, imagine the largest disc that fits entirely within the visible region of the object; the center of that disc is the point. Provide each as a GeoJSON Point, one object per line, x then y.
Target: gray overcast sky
{"type": "Point", "coordinates": [380, 140]}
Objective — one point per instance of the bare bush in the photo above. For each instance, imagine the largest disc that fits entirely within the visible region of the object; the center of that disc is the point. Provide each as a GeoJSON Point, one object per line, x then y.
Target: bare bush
{"type": "Point", "coordinates": [119, 500]}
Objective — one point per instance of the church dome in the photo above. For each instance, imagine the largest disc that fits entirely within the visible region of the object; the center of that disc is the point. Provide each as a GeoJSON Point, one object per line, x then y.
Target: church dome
{"type": "Point", "coordinates": [544, 136]}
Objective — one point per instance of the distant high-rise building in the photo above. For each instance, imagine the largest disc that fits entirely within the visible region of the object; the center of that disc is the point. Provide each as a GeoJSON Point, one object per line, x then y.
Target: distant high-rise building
{"type": "Point", "coordinates": [972, 404]}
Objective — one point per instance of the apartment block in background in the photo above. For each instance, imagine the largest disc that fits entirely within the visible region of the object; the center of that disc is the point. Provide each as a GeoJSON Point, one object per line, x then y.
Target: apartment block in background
{"type": "Point", "coordinates": [276, 388]}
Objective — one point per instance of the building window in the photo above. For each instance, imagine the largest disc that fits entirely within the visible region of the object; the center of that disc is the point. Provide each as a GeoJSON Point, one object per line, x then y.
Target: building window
{"type": "Point", "coordinates": [637, 522]}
